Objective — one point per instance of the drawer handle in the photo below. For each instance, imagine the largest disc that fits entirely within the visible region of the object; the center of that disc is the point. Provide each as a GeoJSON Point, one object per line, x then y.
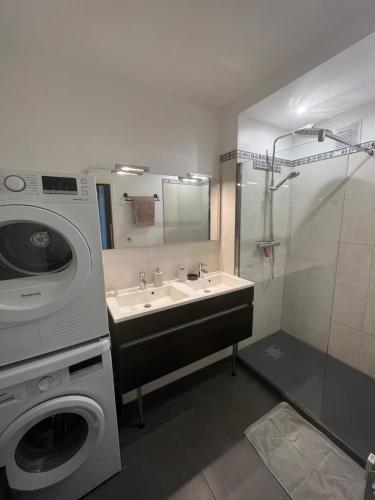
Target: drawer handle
{"type": "Point", "coordinates": [178, 328]}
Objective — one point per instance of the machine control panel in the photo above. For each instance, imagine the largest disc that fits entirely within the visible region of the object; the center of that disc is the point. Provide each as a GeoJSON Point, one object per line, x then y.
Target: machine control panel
{"type": "Point", "coordinates": [47, 188]}
{"type": "Point", "coordinates": [46, 383]}
{"type": "Point", "coordinates": [13, 395]}
{"type": "Point", "coordinates": [59, 185]}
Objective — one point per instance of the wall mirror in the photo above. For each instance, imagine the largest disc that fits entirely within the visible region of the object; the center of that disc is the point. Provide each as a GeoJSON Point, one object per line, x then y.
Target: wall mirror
{"type": "Point", "coordinates": [154, 209]}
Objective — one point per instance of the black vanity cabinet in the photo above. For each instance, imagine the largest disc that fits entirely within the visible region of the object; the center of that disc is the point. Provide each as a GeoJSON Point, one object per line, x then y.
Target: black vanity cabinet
{"type": "Point", "coordinates": [152, 345]}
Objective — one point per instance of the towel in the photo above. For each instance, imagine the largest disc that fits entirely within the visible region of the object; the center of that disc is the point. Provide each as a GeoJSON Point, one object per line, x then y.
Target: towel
{"type": "Point", "coordinates": [144, 210]}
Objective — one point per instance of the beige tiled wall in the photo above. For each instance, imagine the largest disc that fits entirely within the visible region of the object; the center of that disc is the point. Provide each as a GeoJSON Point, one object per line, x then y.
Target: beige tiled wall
{"type": "Point", "coordinates": [315, 214]}
{"type": "Point", "coordinates": [121, 267]}
{"type": "Point", "coordinates": [352, 337]}
{"type": "Point", "coordinates": [329, 292]}
{"type": "Point", "coordinates": [268, 295]}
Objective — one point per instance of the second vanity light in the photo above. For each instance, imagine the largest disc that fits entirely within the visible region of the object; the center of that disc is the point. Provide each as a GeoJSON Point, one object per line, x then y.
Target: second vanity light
{"type": "Point", "coordinates": [193, 178]}
{"type": "Point", "coordinates": [130, 169]}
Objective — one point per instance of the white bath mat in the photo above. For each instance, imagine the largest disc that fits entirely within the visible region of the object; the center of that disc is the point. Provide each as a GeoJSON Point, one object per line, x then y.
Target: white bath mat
{"type": "Point", "coordinates": [304, 461]}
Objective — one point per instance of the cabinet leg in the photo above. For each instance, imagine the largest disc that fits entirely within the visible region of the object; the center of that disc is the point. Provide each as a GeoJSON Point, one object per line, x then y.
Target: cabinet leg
{"type": "Point", "coordinates": [141, 422]}
{"type": "Point", "coordinates": [118, 400]}
{"type": "Point", "coordinates": [234, 359]}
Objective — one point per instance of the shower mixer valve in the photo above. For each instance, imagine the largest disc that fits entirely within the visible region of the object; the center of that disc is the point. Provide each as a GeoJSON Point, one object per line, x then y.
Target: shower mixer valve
{"type": "Point", "coordinates": [265, 245]}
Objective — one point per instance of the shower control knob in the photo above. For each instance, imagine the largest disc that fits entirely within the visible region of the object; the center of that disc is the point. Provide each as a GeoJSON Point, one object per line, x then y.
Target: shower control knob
{"type": "Point", "coordinates": [14, 183]}
{"type": "Point", "coordinates": [45, 383]}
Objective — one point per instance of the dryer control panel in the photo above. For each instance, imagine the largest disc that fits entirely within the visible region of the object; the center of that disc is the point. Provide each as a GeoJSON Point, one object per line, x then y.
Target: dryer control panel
{"type": "Point", "coordinates": [46, 187]}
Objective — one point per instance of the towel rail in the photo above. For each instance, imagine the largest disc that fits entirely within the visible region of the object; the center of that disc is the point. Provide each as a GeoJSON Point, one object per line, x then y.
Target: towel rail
{"type": "Point", "coordinates": [130, 198]}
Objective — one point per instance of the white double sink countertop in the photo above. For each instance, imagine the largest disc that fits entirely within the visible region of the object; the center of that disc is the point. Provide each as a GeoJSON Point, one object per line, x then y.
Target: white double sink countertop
{"type": "Point", "coordinates": [131, 303]}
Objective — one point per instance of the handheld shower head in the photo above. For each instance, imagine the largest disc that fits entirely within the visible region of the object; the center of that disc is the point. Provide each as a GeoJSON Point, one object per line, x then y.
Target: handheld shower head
{"type": "Point", "coordinates": [292, 175]}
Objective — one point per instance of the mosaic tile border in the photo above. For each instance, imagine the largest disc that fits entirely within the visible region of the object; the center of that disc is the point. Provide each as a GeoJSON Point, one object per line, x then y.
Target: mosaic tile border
{"type": "Point", "coordinates": [333, 154]}
{"type": "Point", "coordinates": [262, 165]}
{"type": "Point", "coordinates": [239, 154]}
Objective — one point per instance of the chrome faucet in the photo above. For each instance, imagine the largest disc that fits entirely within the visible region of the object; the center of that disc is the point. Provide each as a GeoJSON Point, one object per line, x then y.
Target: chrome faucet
{"type": "Point", "coordinates": [142, 280]}
{"type": "Point", "coordinates": [202, 269]}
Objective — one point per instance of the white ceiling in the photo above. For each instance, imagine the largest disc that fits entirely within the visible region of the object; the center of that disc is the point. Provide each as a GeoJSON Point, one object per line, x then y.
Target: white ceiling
{"type": "Point", "coordinates": [208, 50]}
{"type": "Point", "coordinates": [340, 84]}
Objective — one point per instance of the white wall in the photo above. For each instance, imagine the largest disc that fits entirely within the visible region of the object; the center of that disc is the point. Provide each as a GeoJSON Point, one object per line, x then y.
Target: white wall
{"type": "Point", "coordinates": [258, 137]}
{"type": "Point", "coordinates": [56, 115]}
{"type": "Point", "coordinates": [365, 114]}
{"type": "Point", "coordinates": [359, 27]}
{"type": "Point", "coordinates": [61, 117]}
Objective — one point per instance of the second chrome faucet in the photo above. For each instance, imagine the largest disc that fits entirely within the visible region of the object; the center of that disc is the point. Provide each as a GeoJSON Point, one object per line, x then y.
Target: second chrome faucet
{"type": "Point", "coordinates": [142, 280]}
{"type": "Point", "coordinates": [202, 269]}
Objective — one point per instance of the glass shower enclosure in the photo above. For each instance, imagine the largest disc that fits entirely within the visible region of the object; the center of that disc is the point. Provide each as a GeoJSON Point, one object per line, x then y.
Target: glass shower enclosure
{"type": "Point", "coordinates": [314, 314]}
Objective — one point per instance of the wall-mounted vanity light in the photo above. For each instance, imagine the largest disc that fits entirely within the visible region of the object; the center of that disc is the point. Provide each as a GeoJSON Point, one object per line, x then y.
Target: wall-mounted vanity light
{"type": "Point", "coordinates": [200, 177]}
{"type": "Point", "coordinates": [130, 169]}
{"type": "Point", "coordinates": [192, 178]}
{"type": "Point", "coordinates": [188, 180]}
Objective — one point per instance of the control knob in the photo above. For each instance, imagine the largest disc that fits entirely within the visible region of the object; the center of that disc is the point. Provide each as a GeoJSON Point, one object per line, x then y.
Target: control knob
{"type": "Point", "coordinates": [45, 383]}
{"type": "Point", "coordinates": [14, 183]}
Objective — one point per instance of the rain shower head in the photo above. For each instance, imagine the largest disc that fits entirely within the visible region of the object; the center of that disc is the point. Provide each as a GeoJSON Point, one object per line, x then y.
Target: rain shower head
{"type": "Point", "coordinates": [313, 132]}
{"type": "Point", "coordinates": [322, 133]}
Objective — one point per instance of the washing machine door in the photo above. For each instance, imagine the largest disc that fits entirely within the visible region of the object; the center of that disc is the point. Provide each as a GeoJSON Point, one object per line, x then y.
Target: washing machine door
{"type": "Point", "coordinates": [51, 441]}
{"type": "Point", "coordinates": [44, 262]}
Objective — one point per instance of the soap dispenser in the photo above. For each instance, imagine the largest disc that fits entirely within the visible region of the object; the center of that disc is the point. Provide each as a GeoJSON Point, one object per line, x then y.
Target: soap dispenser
{"type": "Point", "coordinates": [158, 277]}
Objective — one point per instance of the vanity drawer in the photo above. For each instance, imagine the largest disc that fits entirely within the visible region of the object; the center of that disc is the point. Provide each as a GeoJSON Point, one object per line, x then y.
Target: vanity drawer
{"type": "Point", "coordinates": [149, 324]}
{"type": "Point", "coordinates": [142, 360]}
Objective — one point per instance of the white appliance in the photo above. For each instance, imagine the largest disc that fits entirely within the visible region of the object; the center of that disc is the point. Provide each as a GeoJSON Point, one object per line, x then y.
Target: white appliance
{"type": "Point", "coordinates": [51, 272]}
{"type": "Point", "coordinates": [58, 426]}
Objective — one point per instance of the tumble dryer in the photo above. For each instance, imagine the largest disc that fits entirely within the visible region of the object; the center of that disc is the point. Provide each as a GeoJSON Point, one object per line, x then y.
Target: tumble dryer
{"type": "Point", "coordinates": [51, 274]}
{"type": "Point", "coordinates": [58, 426]}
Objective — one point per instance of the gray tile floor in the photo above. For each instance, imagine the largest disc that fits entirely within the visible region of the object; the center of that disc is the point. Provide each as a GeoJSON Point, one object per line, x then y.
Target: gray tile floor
{"type": "Point", "coordinates": [338, 395]}
{"type": "Point", "coordinates": [193, 445]}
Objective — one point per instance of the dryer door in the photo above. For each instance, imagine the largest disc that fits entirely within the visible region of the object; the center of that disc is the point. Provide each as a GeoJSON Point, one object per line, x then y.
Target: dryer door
{"type": "Point", "coordinates": [51, 441]}
{"type": "Point", "coordinates": [44, 263]}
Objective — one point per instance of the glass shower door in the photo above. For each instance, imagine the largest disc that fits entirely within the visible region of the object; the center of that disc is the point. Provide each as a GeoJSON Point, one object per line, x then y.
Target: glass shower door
{"type": "Point", "coordinates": [293, 311]}
{"type": "Point", "coordinates": [348, 406]}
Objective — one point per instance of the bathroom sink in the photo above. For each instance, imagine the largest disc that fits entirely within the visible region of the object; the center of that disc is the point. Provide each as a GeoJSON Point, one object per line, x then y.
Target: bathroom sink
{"type": "Point", "coordinates": [216, 283]}
{"type": "Point", "coordinates": [134, 301]}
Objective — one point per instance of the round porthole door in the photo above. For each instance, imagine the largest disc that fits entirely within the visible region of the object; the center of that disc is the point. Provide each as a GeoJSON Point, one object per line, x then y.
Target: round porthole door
{"type": "Point", "coordinates": [51, 441]}
{"type": "Point", "coordinates": [44, 262]}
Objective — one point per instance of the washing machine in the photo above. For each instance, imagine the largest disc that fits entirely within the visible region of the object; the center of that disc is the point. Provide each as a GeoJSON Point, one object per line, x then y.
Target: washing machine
{"type": "Point", "coordinates": [58, 426]}
{"type": "Point", "coordinates": [51, 273]}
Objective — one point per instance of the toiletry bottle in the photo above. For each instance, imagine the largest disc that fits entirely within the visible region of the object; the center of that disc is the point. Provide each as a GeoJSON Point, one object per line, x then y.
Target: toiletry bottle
{"type": "Point", "coordinates": [158, 277]}
{"type": "Point", "coordinates": [182, 274]}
